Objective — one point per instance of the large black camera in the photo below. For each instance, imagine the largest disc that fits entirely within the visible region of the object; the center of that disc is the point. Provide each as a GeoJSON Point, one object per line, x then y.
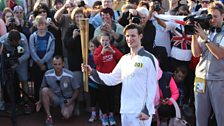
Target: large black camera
{"type": "Point", "coordinates": [134, 18]}
{"type": "Point", "coordinates": [11, 55]}
{"type": "Point", "coordinates": [12, 20]}
{"type": "Point", "coordinates": [203, 20]}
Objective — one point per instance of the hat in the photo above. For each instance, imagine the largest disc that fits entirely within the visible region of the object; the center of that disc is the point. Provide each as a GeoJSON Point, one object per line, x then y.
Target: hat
{"type": "Point", "coordinates": [17, 8]}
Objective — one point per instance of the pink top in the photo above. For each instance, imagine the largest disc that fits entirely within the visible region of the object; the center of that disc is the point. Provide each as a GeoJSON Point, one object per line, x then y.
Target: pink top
{"type": "Point", "coordinates": [157, 97]}
{"type": "Point", "coordinates": [2, 28]}
{"type": "Point", "coordinates": [173, 89]}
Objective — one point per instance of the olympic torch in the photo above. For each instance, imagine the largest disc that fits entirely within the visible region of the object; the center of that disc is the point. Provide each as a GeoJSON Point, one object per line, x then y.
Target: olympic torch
{"type": "Point", "coordinates": [84, 32]}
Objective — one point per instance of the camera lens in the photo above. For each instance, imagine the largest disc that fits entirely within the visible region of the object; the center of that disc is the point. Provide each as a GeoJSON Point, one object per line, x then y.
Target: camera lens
{"type": "Point", "coordinates": [65, 101]}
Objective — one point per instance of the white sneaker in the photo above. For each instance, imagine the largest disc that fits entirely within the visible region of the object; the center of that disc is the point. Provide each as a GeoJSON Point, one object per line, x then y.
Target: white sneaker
{"type": "Point", "coordinates": [105, 121]}
{"type": "Point", "coordinates": [92, 119]}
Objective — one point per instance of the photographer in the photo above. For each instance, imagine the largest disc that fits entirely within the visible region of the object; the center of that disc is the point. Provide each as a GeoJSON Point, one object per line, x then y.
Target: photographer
{"type": "Point", "coordinates": [209, 46]}
{"type": "Point", "coordinates": [16, 54]}
{"type": "Point", "coordinates": [111, 27]}
{"type": "Point", "coordinates": [141, 16]}
{"type": "Point", "coordinates": [58, 88]}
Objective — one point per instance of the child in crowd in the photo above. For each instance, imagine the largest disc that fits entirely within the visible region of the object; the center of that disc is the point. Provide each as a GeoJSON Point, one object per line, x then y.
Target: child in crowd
{"type": "Point", "coordinates": [42, 46]}
{"type": "Point", "coordinates": [168, 89]}
{"type": "Point", "coordinates": [93, 88]}
{"type": "Point", "coordinates": [106, 56]}
{"type": "Point", "coordinates": [179, 75]}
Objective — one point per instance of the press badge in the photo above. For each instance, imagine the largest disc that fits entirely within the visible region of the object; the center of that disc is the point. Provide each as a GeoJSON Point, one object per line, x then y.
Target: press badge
{"type": "Point", "coordinates": [199, 85]}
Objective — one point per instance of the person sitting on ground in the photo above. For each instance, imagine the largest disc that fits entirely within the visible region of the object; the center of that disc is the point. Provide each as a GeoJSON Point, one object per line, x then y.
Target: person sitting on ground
{"type": "Point", "coordinates": [58, 88]}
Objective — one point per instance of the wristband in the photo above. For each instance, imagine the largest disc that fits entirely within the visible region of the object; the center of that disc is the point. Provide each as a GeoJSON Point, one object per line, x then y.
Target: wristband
{"type": "Point", "coordinates": [207, 41]}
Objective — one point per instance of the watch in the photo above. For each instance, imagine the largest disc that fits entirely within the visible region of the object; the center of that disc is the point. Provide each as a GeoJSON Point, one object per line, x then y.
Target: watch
{"type": "Point", "coordinates": [207, 41]}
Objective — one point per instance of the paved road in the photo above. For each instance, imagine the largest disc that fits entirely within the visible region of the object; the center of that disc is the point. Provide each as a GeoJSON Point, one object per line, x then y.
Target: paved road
{"type": "Point", "coordinates": [38, 118]}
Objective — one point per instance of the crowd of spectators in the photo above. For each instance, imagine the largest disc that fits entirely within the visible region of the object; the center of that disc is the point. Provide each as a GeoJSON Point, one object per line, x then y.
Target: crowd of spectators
{"type": "Point", "coordinates": [48, 32]}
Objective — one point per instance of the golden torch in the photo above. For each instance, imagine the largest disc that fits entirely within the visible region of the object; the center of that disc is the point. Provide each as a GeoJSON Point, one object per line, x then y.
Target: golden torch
{"type": "Point", "coordinates": [84, 32]}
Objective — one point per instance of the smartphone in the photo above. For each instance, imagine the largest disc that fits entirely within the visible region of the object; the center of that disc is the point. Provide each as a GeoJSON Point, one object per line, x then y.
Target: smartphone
{"type": "Point", "coordinates": [107, 44]}
{"type": "Point", "coordinates": [49, 20]}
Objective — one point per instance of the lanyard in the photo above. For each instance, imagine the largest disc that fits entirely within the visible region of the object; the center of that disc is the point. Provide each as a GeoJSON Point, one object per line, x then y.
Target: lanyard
{"type": "Point", "coordinates": [58, 82]}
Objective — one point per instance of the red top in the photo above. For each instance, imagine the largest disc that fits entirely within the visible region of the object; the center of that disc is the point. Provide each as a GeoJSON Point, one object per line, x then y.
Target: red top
{"type": "Point", "coordinates": [106, 62]}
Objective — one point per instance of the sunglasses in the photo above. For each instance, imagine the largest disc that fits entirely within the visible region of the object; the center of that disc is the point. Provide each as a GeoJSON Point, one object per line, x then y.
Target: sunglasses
{"type": "Point", "coordinates": [18, 12]}
{"type": "Point", "coordinates": [42, 11]}
{"type": "Point", "coordinates": [205, 2]}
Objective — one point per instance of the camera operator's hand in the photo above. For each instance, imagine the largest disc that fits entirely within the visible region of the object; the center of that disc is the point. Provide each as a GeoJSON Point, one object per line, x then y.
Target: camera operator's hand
{"type": "Point", "coordinates": [165, 101]}
{"type": "Point", "coordinates": [133, 12]}
{"type": "Point", "coordinates": [108, 28]}
{"type": "Point", "coordinates": [69, 4]}
{"type": "Point", "coordinates": [151, 6]}
{"type": "Point", "coordinates": [111, 49]}
{"type": "Point", "coordinates": [200, 32]}
{"type": "Point", "coordinates": [104, 49]}
{"type": "Point", "coordinates": [7, 22]}
{"type": "Point", "coordinates": [51, 23]}
{"type": "Point", "coordinates": [75, 33]}
{"type": "Point", "coordinates": [105, 27]}
{"type": "Point", "coordinates": [17, 22]}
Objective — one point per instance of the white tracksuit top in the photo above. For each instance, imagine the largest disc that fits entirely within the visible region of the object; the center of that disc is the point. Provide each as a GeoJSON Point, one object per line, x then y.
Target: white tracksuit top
{"type": "Point", "coordinates": [139, 75]}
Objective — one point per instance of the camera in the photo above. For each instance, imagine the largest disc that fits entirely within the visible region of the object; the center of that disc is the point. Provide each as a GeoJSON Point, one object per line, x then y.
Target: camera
{"type": "Point", "coordinates": [78, 30]}
{"type": "Point", "coordinates": [156, 5]}
{"type": "Point", "coordinates": [107, 44]}
{"type": "Point", "coordinates": [65, 101]}
{"type": "Point", "coordinates": [203, 20]}
{"type": "Point", "coordinates": [134, 18]}
{"type": "Point", "coordinates": [11, 55]}
{"type": "Point", "coordinates": [49, 20]}
{"type": "Point", "coordinates": [12, 19]}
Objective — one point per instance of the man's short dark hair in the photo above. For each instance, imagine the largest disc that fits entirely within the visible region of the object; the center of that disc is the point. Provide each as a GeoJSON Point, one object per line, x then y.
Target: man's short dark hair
{"type": "Point", "coordinates": [133, 26]}
{"type": "Point", "coordinates": [107, 11]}
{"type": "Point", "coordinates": [58, 57]}
{"type": "Point", "coordinates": [14, 35]}
{"type": "Point", "coordinates": [133, 1]}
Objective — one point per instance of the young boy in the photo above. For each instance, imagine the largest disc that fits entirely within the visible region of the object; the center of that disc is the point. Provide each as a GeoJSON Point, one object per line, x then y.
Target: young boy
{"type": "Point", "coordinates": [42, 46]}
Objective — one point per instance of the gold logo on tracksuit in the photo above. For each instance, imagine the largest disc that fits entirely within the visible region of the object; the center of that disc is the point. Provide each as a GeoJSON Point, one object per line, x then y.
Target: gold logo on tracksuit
{"type": "Point", "coordinates": [138, 65]}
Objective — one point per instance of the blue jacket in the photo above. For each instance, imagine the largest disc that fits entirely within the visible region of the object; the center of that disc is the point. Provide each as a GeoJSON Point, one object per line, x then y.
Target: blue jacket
{"type": "Point", "coordinates": [50, 50]}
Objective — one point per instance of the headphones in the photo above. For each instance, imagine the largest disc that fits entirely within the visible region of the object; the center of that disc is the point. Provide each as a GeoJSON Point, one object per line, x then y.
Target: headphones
{"type": "Point", "coordinates": [214, 29]}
